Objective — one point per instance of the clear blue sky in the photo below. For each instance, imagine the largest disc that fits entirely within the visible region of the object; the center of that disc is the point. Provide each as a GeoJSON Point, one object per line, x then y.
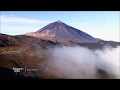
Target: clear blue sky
{"type": "Point", "coordinates": [99, 24]}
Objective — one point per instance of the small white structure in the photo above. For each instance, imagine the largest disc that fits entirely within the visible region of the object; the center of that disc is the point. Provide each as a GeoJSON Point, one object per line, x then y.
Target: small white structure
{"type": "Point", "coordinates": [47, 32]}
{"type": "Point", "coordinates": [53, 35]}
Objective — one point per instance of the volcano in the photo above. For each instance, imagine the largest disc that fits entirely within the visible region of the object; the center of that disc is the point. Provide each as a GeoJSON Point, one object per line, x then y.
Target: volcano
{"type": "Point", "coordinates": [41, 50]}
{"type": "Point", "coordinates": [61, 32]}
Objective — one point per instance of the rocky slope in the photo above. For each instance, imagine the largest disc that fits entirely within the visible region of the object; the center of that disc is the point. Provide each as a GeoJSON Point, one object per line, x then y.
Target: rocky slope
{"type": "Point", "coordinates": [61, 32]}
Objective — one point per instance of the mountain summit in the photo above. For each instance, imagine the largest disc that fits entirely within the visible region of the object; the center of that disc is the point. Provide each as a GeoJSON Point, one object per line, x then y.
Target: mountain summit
{"type": "Point", "coordinates": [61, 32]}
{"type": "Point", "coordinates": [59, 21]}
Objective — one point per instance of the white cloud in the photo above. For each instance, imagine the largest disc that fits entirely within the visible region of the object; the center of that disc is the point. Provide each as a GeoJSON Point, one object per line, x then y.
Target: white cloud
{"type": "Point", "coordinates": [12, 25]}
{"type": "Point", "coordinates": [15, 19]}
{"type": "Point", "coordinates": [18, 29]}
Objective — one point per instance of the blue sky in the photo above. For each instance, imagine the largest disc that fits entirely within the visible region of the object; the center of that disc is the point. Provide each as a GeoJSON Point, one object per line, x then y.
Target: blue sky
{"type": "Point", "coordinates": [99, 24]}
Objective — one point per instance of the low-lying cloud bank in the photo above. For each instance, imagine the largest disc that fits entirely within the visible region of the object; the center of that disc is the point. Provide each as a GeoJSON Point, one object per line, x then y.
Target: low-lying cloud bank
{"type": "Point", "coordinates": [76, 62]}
{"type": "Point", "coordinates": [80, 62]}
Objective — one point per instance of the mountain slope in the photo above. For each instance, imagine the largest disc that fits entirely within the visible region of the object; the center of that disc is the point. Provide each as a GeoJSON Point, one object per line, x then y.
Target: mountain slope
{"type": "Point", "coordinates": [60, 32]}
{"type": "Point", "coordinates": [9, 40]}
{"type": "Point", "coordinates": [20, 51]}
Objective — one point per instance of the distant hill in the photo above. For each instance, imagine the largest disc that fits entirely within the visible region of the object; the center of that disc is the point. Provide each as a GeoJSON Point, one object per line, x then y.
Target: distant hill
{"type": "Point", "coordinates": [9, 40]}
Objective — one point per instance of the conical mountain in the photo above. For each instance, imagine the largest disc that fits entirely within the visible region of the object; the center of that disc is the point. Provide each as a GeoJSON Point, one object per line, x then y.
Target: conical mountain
{"type": "Point", "coordinates": [60, 32]}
